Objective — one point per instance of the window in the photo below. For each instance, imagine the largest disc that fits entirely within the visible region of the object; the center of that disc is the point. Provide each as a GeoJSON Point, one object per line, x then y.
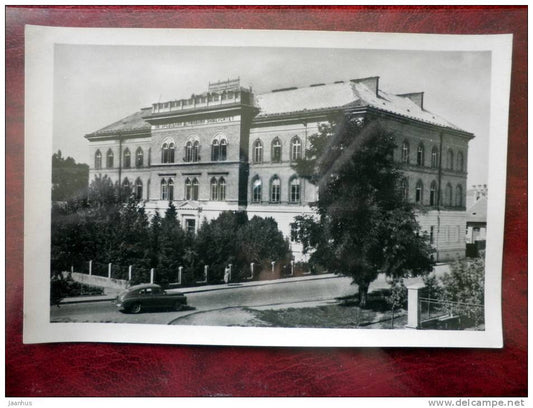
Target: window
{"type": "Point", "coordinates": [98, 160]}
{"type": "Point", "coordinates": [164, 190]}
{"type": "Point", "coordinates": [275, 190]}
{"type": "Point", "coordinates": [405, 152]}
{"type": "Point", "coordinates": [188, 152]}
{"type": "Point", "coordinates": [167, 152]}
{"type": "Point", "coordinates": [222, 189]}
{"type": "Point", "coordinates": [127, 158]}
{"type": "Point", "coordinates": [196, 151]}
{"type": "Point", "coordinates": [256, 190]}
{"type": "Point", "coordinates": [215, 150]}
{"type": "Point", "coordinates": [195, 188]}
{"type": "Point", "coordinates": [296, 148]}
{"type": "Point", "coordinates": [190, 225]}
{"type": "Point", "coordinates": [404, 189]}
{"type": "Point", "coordinates": [460, 161]}
{"type": "Point", "coordinates": [294, 232]}
{"type": "Point", "coordinates": [448, 195]}
{"type": "Point", "coordinates": [139, 157]}
{"type": "Point", "coordinates": [420, 155]}
{"type": "Point", "coordinates": [125, 182]}
{"type": "Point", "coordinates": [432, 234]}
{"type": "Point", "coordinates": [459, 196]}
{"type": "Point", "coordinates": [433, 194]}
{"type": "Point", "coordinates": [435, 157]}
{"type": "Point", "coordinates": [223, 149]}
{"type": "Point", "coordinates": [109, 159]}
{"type": "Point", "coordinates": [188, 189]}
{"type": "Point", "coordinates": [276, 150]}
{"type": "Point", "coordinates": [214, 189]}
{"type": "Point", "coordinates": [257, 152]}
{"type": "Point", "coordinates": [449, 159]}
{"type": "Point", "coordinates": [419, 196]}
{"type": "Point", "coordinates": [294, 195]}
{"type": "Point", "coordinates": [138, 189]}
{"type": "Point", "coordinates": [170, 190]}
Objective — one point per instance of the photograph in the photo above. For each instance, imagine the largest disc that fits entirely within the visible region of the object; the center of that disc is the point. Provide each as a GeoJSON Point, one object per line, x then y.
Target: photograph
{"type": "Point", "coordinates": [314, 185]}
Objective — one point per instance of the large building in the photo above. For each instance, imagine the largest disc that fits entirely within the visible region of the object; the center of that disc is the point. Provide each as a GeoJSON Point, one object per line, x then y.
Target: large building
{"type": "Point", "coordinates": [228, 149]}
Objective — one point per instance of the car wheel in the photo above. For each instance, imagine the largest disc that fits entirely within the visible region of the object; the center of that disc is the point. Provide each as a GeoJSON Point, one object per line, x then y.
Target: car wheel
{"type": "Point", "coordinates": [136, 308]}
{"type": "Point", "coordinates": [178, 306]}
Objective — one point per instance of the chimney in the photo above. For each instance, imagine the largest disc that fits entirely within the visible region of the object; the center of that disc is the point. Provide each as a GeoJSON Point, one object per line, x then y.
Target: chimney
{"type": "Point", "coordinates": [371, 82]}
{"type": "Point", "coordinates": [416, 97]}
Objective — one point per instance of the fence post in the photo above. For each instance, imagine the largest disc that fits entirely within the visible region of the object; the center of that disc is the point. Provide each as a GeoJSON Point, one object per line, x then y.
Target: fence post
{"type": "Point", "coordinates": [413, 304]}
{"type": "Point", "coordinates": [206, 268]}
{"type": "Point", "coordinates": [129, 272]}
{"type": "Point", "coordinates": [152, 275]}
{"type": "Point", "coordinates": [229, 274]}
{"type": "Point", "coordinates": [109, 270]}
{"type": "Point", "coordinates": [251, 271]}
{"type": "Point", "coordinates": [90, 268]}
{"type": "Point", "coordinates": [273, 265]}
{"type": "Point", "coordinates": [71, 268]}
{"type": "Point", "coordinates": [292, 267]}
{"type": "Point", "coordinates": [180, 271]}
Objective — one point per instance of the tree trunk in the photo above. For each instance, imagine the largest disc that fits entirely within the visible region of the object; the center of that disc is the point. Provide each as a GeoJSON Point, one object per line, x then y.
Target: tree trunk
{"type": "Point", "coordinates": [363, 294]}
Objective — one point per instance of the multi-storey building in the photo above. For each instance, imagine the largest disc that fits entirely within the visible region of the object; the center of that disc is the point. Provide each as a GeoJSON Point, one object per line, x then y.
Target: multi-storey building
{"type": "Point", "coordinates": [228, 149]}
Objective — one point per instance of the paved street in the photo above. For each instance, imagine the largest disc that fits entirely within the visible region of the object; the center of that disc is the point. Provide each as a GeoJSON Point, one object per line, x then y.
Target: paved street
{"type": "Point", "coordinates": [297, 292]}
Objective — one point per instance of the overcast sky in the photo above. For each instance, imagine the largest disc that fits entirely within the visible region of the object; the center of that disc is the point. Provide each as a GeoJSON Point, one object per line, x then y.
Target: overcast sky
{"type": "Point", "coordinates": [97, 85]}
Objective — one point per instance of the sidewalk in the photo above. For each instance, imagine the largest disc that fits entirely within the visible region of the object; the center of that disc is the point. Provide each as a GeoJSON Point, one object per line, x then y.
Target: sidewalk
{"type": "Point", "coordinates": [206, 288]}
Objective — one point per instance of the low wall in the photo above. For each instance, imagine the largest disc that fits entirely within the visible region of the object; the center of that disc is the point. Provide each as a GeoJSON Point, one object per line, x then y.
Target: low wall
{"type": "Point", "coordinates": [99, 281]}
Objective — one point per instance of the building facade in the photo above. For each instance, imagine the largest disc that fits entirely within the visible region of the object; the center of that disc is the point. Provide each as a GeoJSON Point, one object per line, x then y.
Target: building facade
{"type": "Point", "coordinates": [228, 149]}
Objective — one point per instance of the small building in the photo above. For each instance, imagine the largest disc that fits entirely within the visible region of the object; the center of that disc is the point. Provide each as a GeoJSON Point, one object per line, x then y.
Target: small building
{"type": "Point", "coordinates": [229, 149]}
{"type": "Point", "coordinates": [476, 217]}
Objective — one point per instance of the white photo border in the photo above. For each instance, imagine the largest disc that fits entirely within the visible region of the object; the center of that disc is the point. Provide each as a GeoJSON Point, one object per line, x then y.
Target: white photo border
{"type": "Point", "coordinates": [39, 72]}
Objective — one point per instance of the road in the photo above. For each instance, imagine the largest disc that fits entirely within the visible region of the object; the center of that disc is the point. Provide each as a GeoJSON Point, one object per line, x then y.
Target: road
{"type": "Point", "coordinates": [286, 293]}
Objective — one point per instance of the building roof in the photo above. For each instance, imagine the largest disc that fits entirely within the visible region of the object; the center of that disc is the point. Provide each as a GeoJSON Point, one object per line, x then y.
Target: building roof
{"type": "Point", "coordinates": [134, 122]}
{"type": "Point", "coordinates": [343, 95]}
{"type": "Point", "coordinates": [478, 211]}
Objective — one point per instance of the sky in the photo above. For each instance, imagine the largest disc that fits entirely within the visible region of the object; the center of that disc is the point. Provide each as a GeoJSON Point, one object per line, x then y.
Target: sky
{"type": "Point", "coordinates": [96, 85]}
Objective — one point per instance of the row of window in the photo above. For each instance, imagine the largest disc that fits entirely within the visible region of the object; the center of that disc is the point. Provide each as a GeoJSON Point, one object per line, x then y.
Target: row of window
{"type": "Point", "coordinates": [219, 149]}
{"type": "Point", "coordinates": [275, 190]}
{"type": "Point", "coordinates": [126, 158]}
{"type": "Point", "coordinates": [433, 193]}
{"type": "Point", "coordinates": [452, 162]}
{"type": "Point", "coordinates": [137, 187]}
{"type": "Point", "coordinates": [192, 188]}
{"type": "Point", "coordinates": [275, 152]}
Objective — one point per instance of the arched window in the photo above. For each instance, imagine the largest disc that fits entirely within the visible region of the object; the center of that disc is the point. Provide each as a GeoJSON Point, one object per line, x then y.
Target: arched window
{"type": "Point", "coordinates": [404, 189]}
{"type": "Point", "coordinates": [294, 190]}
{"type": "Point", "coordinates": [98, 160]}
{"type": "Point", "coordinates": [171, 150]}
{"type": "Point", "coordinates": [276, 150]}
{"type": "Point", "coordinates": [127, 158]}
{"type": "Point", "coordinates": [435, 157]}
{"type": "Point", "coordinates": [188, 189]}
{"type": "Point", "coordinates": [164, 190]}
{"type": "Point", "coordinates": [164, 153]}
{"type": "Point", "coordinates": [459, 196]}
{"type": "Point", "coordinates": [460, 161]}
{"type": "Point", "coordinates": [138, 189]}
{"type": "Point", "coordinates": [215, 150]}
{"type": "Point", "coordinates": [256, 190]}
{"type": "Point", "coordinates": [223, 149]}
{"type": "Point", "coordinates": [420, 155]}
{"type": "Point", "coordinates": [170, 190]}
{"type": "Point", "coordinates": [167, 152]}
{"type": "Point", "coordinates": [195, 188]}
{"type": "Point", "coordinates": [196, 151]}
{"type": "Point", "coordinates": [214, 189]}
{"type": "Point", "coordinates": [448, 195]}
{"type": "Point", "coordinates": [275, 190]}
{"type": "Point", "coordinates": [109, 159]}
{"type": "Point", "coordinates": [296, 148]}
{"type": "Point", "coordinates": [449, 159]}
{"type": "Point", "coordinates": [419, 192]}
{"type": "Point", "coordinates": [257, 153]}
{"type": "Point", "coordinates": [125, 182]}
{"type": "Point", "coordinates": [433, 193]}
{"type": "Point", "coordinates": [139, 157]}
{"type": "Point", "coordinates": [188, 152]}
{"type": "Point", "coordinates": [149, 156]}
{"type": "Point", "coordinates": [405, 152]}
{"type": "Point", "coordinates": [222, 189]}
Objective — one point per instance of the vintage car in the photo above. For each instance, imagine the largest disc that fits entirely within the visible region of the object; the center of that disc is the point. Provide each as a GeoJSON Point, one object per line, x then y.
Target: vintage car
{"type": "Point", "coordinates": [139, 298]}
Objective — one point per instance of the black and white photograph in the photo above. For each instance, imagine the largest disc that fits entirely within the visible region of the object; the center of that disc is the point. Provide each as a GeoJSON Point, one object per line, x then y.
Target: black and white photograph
{"type": "Point", "coordinates": [265, 188]}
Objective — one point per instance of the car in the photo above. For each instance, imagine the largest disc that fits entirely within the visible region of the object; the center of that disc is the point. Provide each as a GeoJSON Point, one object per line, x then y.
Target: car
{"type": "Point", "coordinates": [148, 296]}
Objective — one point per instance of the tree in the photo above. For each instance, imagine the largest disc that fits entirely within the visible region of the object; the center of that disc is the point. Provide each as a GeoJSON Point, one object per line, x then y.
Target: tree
{"type": "Point", "coordinates": [171, 244]}
{"type": "Point", "coordinates": [363, 225]}
{"type": "Point", "coordinates": [69, 179]}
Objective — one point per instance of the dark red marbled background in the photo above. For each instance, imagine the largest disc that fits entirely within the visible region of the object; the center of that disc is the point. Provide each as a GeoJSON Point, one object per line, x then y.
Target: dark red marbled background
{"type": "Point", "coordinates": [155, 370]}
